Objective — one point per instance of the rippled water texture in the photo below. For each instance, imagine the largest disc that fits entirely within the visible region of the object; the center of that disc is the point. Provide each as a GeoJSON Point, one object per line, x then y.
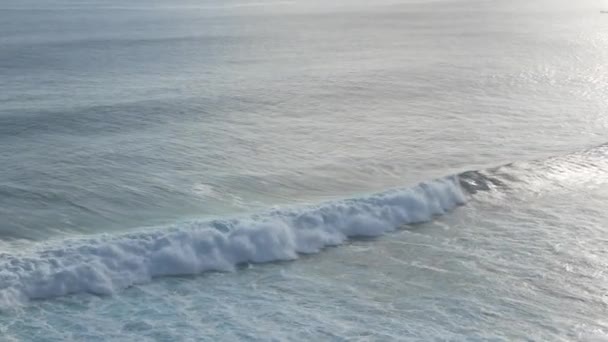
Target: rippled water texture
{"type": "Point", "coordinates": [298, 170]}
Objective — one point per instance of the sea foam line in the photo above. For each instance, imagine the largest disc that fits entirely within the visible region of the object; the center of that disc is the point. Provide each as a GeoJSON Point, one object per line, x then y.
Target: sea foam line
{"type": "Point", "coordinates": [105, 264]}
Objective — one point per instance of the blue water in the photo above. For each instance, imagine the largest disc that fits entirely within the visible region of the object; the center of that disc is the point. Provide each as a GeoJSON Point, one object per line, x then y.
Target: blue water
{"type": "Point", "coordinates": [298, 170]}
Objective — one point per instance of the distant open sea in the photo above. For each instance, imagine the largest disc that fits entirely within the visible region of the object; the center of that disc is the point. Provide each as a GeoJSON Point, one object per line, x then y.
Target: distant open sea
{"type": "Point", "coordinates": [306, 170]}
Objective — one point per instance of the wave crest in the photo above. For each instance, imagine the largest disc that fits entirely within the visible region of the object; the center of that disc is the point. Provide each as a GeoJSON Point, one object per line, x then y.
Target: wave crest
{"type": "Point", "coordinates": [105, 264]}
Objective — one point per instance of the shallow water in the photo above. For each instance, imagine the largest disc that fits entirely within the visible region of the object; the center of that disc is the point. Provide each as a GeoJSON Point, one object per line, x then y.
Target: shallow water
{"type": "Point", "coordinates": [161, 139]}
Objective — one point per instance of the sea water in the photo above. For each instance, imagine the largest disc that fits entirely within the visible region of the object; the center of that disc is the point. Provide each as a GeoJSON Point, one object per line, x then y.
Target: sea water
{"type": "Point", "coordinates": [303, 170]}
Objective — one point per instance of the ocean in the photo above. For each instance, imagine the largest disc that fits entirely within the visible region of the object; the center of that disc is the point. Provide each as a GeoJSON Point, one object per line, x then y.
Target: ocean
{"type": "Point", "coordinates": [305, 170]}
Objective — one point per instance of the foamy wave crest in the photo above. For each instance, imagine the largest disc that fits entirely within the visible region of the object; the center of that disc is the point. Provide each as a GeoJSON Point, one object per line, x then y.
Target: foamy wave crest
{"type": "Point", "coordinates": [103, 265]}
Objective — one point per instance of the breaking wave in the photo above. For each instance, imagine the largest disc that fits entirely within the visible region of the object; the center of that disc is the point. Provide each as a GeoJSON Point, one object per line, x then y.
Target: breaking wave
{"type": "Point", "coordinates": [105, 264]}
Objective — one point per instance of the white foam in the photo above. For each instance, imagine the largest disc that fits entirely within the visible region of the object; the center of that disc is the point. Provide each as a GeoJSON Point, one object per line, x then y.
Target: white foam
{"type": "Point", "coordinates": [105, 264]}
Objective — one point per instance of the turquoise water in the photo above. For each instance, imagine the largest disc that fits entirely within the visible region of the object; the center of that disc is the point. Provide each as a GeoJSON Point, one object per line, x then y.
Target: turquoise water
{"type": "Point", "coordinates": [296, 170]}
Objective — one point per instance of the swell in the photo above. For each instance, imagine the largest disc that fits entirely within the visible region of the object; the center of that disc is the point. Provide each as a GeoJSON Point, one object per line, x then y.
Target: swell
{"type": "Point", "coordinates": [84, 121]}
{"type": "Point", "coordinates": [105, 264]}
{"type": "Point", "coordinates": [568, 171]}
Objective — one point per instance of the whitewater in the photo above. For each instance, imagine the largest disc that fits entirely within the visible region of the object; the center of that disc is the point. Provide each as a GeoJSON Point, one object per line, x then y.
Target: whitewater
{"type": "Point", "coordinates": [395, 170]}
{"type": "Point", "coordinates": [109, 263]}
